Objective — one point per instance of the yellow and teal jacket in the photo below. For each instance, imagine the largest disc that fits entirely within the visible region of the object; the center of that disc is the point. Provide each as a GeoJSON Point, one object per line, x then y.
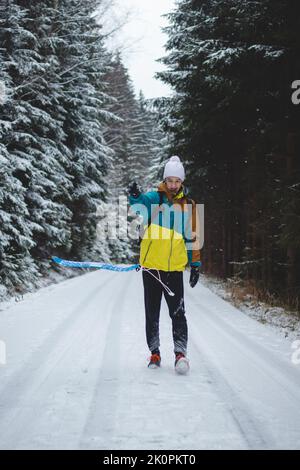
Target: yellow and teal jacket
{"type": "Point", "coordinates": [171, 230]}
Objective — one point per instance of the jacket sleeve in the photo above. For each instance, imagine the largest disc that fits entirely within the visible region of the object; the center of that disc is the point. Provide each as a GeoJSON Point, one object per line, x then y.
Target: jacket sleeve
{"type": "Point", "coordinates": [143, 204]}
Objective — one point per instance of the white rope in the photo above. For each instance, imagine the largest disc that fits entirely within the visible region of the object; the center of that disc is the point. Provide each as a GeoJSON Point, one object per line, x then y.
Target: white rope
{"type": "Point", "coordinates": [168, 290]}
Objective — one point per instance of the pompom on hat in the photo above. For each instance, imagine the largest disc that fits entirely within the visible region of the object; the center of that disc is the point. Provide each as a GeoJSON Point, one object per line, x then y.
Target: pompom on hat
{"type": "Point", "coordinates": [174, 168]}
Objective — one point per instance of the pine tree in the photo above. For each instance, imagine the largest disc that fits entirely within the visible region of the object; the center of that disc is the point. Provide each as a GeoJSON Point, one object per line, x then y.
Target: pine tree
{"type": "Point", "coordinates": [35, 141]}
{"type": "Point", "coordinates": [16, 267]}
{"type": "Point", "coordinates": [124, 137]}
{"type": "Point", "coordinates": [231, 64]}
{"type": "Point", "coordinates": [52, 127]}
{"type": "Point", "coordinates": [136, 139]}
{"type": "Point", "coordinates": [82, 61]}
{"type": "Point", "coordinates": [156, 141]}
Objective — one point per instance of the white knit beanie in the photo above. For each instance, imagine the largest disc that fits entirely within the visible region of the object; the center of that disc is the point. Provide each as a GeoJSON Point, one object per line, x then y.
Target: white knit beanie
{"type": "Point", "coordinates": [174, 168]}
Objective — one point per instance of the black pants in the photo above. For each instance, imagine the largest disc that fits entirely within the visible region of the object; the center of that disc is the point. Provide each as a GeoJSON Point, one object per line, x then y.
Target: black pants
{"type": "Point", "coordinates": [152, 295]}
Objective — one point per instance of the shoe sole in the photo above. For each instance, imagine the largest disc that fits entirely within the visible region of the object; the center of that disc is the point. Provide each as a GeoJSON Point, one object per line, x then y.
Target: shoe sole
{"type": "Point", "coordinates": [182, 366]}
{"type": "Point", "coordinates": [153, 366]}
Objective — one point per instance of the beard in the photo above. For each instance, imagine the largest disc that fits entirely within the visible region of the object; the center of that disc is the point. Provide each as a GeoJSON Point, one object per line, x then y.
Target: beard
{"type": "Point", "coordinates": [174, 191]}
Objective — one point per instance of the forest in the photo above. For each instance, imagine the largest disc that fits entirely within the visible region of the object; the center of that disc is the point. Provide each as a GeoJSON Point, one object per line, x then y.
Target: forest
{"type": "Point", "coordinates": [74, 135]}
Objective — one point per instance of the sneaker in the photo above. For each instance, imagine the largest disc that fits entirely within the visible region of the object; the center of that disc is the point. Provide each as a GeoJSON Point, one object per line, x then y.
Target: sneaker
{"type": "Point", "coordinates": [182, 365]}
{"type": "Point", "coordinates": [154, 361]}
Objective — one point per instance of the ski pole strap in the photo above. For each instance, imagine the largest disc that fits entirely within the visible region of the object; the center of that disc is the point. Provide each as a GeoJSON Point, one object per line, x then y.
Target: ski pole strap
{"type": "Point", "coordinates": [91, 264]}
{"type": "Point", "coordinates": [112, 267]}
{"type": "Point", "coordinates": [167, 289]}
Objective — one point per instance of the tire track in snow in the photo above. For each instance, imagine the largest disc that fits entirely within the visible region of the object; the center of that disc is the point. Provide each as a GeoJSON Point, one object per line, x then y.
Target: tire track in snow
{"type": "Point", "coordinates": [101, 417]}
{"type": "Point", "coordinates": [280, 371]}
{"type": "Point", "coordinates": [113, 406]}
{"type": "Point", "coordinates": [257, 365]}
{"type": "Point", "coordinates": [142, 408]}
{"type": "Point", "coordinates": [290, 377]}
{"type": "Point", "coordinates": [237, 408]}
{"type": "Point", "coordinates": [23, 388]}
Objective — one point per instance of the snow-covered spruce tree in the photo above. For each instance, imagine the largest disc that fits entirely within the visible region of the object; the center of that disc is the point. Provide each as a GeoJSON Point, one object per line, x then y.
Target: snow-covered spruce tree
{"type": "Point", "coordinates": [190, 113]}
{"type": "Point", "coordinates": [124, 136]}
{"type": "Point", "coordinates": [152, 143]}
{"type": "Point", "coordinates": [231, 64]}
{"type": "Point", "coordinates": [156, 141]}
{"type": "Point", "coordinates": [17, 163]}
{"type": "Point", "coordinates": [35, 139]}
{"type": "Point", "coordinates": [17, 268]}
{"type": "Point", "coordinates": [51, 184]}
{"type": "Point", "coordinates": [82, 61]}
{"type": "Point", "coordinates": [136, 140]}
{"type": "Point", "coordinates": [52, 128]}
{"type": "Point", "coordinates": [266, 127]}
{"type": "Point", "coordinates": [136, 136]}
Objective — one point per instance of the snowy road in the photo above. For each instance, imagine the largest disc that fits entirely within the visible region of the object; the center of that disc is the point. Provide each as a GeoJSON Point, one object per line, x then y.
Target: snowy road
{"type": "Point", "coordinates": [76, 378]}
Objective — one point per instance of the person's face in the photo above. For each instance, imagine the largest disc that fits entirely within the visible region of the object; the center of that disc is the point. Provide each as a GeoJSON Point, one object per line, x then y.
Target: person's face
{"type": "Point", "coordinates": [173, 184]}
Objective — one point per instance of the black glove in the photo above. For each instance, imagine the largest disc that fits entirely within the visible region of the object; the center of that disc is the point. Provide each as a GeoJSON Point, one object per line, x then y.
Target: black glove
{"type": "Point", "coordinates": [194, 276]}
{"type": "Point", "coordinates": [134, 190]}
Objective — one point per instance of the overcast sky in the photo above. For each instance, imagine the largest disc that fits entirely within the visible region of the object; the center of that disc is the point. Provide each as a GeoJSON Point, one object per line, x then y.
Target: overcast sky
{"type": "Point", "coordinates": [142, 41]}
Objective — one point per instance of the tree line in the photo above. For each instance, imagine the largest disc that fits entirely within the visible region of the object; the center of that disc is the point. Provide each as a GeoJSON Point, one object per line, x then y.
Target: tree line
{"type": "Point", "coordinates": [231, 65]}
{"type": "Point", "coordinates": [72, 133]}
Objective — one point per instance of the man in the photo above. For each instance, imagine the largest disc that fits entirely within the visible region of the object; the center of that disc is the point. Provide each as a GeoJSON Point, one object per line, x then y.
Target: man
{"type": "Point", "coordinates": [169, 242]}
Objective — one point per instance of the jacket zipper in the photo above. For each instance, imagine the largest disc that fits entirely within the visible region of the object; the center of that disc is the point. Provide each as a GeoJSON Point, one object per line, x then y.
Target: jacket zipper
{"type": "Point", "coordinates": [147, 252]}
{"type": "Point", "coordinates": [171, 249]}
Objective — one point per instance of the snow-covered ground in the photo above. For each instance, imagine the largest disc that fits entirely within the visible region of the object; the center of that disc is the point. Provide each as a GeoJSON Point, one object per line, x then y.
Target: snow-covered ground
{"type": "Point", "coordinates": [76, 378]}
{"type": "Point", "coordinates": [283, 322]}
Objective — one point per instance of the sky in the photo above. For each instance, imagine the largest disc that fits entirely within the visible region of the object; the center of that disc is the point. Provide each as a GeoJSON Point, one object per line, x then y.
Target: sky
{"type": "Point", "coordinates": [141, 40]}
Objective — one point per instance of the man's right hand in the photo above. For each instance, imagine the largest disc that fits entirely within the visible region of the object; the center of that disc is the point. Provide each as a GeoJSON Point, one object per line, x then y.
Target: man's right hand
{"type": "Point", "coordinates": [134, 190]}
